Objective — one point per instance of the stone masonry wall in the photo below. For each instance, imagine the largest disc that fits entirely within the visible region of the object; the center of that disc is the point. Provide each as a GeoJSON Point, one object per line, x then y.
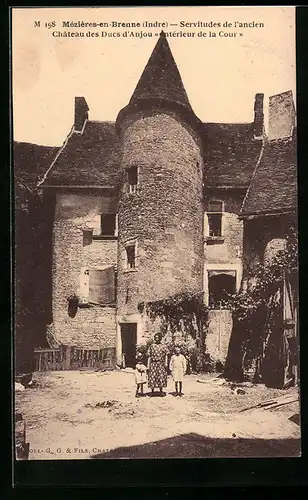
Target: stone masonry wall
{"type": "Point", "coordinates": [226, 253]}
{"type": "Point", "coordinates": [165, 215]}
{"type": "Point", "coordinates": [222, 255]}
{"type": "Point", "coordinates": [263, 237]}
{"type": "Point", "coordinates": [231, 248]}
{"type": "Point", "coordinates": [93, 327]}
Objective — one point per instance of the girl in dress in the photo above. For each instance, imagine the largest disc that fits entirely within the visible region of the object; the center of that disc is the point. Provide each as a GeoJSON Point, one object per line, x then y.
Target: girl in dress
{"type": "Point", "coordinates": [157, 365]}
{"type": "Point", "coordinates": [140, 375]}
{"type": "Point", "coordinates": [178, 366]}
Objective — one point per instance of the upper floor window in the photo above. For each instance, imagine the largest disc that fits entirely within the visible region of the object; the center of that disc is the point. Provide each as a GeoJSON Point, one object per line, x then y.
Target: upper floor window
{"type": "Point", "coordinates": [132, 179]}
{"type": "Point", "coordinates": [215, 211]}
{"type": "Point", "coordinates": [108, 224]}
{"type": "Point", "coordinates": [105, 225]}
{"type": "Point", "coordinates": [131, 256]}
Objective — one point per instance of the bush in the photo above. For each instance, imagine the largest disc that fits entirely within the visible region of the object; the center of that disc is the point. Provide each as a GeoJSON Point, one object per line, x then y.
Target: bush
{"type": "Point", "coordinates": [197, 360]}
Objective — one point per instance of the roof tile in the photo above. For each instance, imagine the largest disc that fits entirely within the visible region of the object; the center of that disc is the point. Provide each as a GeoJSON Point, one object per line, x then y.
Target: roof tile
{"type": "Point", "coordinates": [273, 187]}
{"type": "Point", "coordinates": [91, 158]}
{"type": "Point", "coordinates": [231, 154]}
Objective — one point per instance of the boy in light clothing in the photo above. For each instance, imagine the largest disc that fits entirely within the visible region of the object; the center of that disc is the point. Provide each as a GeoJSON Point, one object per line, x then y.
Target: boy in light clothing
{"type": "Point", "coordinates": [178, 366]}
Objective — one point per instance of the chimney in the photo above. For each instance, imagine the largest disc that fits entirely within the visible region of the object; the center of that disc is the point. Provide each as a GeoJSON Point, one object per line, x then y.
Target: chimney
{"type": "Point", "coordinates": [258, 124]}
{"type": "Point", "coordinates": [281, 116]}
{"type": "Point", "coordinates": [81, 113]}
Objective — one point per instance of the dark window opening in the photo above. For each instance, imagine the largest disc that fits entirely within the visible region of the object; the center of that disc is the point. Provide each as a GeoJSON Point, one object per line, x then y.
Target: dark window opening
{"type": "Point", "coordinates": [87, 237]}
{"type": "Point", "coordinates": [131, 256]}
{"type": "Point", "coordinates": [220, 285]}
{"type": "Point", "coordinates": [215, 210]}
{"type": "Point", "coordinates": [108, 224]}
{"type": "Point", "coordinates": [215, 224]}
{"type": "Point", "coordinates": [132, 177]}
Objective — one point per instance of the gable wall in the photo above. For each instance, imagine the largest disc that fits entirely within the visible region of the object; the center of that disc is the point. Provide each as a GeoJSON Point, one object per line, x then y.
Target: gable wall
{"type": "Point", "coordinates": [92, 327]}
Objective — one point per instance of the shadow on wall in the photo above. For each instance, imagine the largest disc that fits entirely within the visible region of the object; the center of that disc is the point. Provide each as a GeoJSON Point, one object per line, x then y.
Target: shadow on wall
{"type": "Point", "coordinates": [196, 446]}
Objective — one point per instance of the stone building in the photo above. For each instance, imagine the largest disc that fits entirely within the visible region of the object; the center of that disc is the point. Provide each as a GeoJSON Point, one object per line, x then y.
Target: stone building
{"type": "Point", "coordinates": [147, 207]}
{"type": "Point", "coordinates": [270, 204]}
{"type": "Point", "coordinates": [269, 215]}
{"type": "Point", "coordinates": [32, 253]}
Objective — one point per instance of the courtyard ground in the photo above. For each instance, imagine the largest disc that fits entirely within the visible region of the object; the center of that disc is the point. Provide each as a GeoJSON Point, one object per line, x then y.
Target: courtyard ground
{"type": "Point", "coordinates": [88, 414]}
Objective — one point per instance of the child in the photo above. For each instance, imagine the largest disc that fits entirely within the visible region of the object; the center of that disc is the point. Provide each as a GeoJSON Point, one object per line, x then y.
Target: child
{"type": "Point", "coordinates": [140, 374]}
{"type": "Point", "coordinates": [178, 366]}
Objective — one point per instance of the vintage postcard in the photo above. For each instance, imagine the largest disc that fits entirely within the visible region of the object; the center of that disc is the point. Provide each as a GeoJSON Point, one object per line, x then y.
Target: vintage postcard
{"type": "Point", "coordinates": [156, 274]}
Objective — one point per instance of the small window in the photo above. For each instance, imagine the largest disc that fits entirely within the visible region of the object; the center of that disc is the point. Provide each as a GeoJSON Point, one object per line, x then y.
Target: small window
{"type": "Point", "coordinates": [108, 225]}
{"type": "Point", "coordinates": [87, 236]}
{"type": "Point", "coordinates": [215, 225]}
{"type": "Point", "coordinates": [214, 214]}
{"type": "Point", "coordinates": [132, 178]}
{"type": "Point", "coordinates": [105, 225]}
{"type": "Point", "coordinates": [131, 256]}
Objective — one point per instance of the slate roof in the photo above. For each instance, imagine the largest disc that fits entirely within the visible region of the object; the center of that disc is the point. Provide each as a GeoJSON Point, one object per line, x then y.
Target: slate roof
{"type": "Point", "coordinates": [273, 188]}
{"type": "Point", "coordinates": [31, 161]}
{"type": "Point", "coordinates": [88, 159]}
{"type": "Point", "coordinates": [161, 78]}
{"type": "Point", "coordinates": [231, 154]}
{"type": "Point", "coordinates": [93, 157]}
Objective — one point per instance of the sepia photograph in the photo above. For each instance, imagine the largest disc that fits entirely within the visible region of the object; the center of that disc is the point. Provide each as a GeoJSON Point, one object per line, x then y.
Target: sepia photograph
{"type": "Point", "coordinates": [154, 162]}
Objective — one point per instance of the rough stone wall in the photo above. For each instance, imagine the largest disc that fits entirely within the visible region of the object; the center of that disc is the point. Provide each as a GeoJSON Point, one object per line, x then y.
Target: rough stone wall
{"type": "Point", "coordinates": [93, 327]}
{"type": "Point", "coordinates": [218, 334]}
{"type": "Point", "coordinates": [165, 215]}
{"type": "Point", "coordinates": [230, 249]}
{"type": "Point", "coordinates": [263, 237]}
{"type": "Point", "coordinates": [226, 253]}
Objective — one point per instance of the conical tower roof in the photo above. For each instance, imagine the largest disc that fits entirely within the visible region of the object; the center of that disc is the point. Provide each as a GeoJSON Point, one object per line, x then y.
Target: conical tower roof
{"type": "Point", "coordinates": [161, 78]}
{"type": "Point", "coordinates": [160, 87]}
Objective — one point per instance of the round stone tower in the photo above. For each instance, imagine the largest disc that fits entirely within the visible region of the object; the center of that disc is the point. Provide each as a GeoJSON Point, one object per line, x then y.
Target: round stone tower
{"type": "Point", "coordinates": [160, 217]}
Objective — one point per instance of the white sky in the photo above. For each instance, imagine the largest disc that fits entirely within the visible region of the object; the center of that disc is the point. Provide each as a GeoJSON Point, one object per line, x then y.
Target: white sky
{"type": "Point", "coordinates": [221, 75]}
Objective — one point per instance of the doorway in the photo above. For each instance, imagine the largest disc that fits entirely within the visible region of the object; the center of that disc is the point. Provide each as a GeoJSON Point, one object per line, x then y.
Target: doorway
{"type": "Point", "coordinates": [129, 342]}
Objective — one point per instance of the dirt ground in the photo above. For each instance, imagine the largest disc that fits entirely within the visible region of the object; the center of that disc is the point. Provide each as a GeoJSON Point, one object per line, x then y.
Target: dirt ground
{"type": "Point", "coordinates": [88, 414]}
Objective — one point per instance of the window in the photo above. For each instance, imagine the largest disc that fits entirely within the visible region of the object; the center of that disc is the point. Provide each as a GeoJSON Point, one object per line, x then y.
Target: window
{"type": "Point", "coordinates": [132, 178]}
{"type": "Point", "coordinates": [108, 224]}
{"type": "Point", "coordinates": [97, 286]}
{"type": "Point", "coordinates": [214, 224]}
{"type": "Point", "coordinates": [131, 256]}
{"type": "Point", "coordinates": [220, 285]}
{"type": "Point", "coordinates": [105, 225]}
{"type": "Point", "coordinates": [87, 236]}
{"type": "Point", "coordinates": [214, 215]}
